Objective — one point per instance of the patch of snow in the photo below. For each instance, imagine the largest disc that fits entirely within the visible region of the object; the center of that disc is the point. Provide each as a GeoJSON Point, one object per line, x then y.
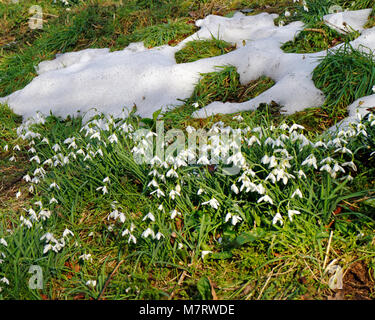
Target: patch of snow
{"type": "Point", "coordinates": [151, 79]}
{"type": "Point", "coordinates": [347, 21]}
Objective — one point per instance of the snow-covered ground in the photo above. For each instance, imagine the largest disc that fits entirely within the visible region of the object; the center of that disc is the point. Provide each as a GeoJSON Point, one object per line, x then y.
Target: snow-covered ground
{"type": "Point", "coordinates": [151, 79]}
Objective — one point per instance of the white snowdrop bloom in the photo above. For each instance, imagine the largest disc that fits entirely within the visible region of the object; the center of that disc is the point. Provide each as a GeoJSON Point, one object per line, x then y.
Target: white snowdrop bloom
{"type": "Point", "coordinates": [265, 159]}
{"type": "Point", "coordinates": [18, 194]}
{"type": "Point", "coordinates": [287, 13]}
{"type": "Point", "coordinates": [53, 200]}
{"type": "Point", "coordinates": [350, 164]}
{"type": "Point", "coordinates": [297, 193]}
{"type": "Point", "coordinates": [54, 185]}
{"type": "Point", "coordinates": [45, 140]}
{"type": "Point", "coordinates": [39, 203]}
{"type": "Point", "coordinates": [106, 180]}
{"type": "Point", "coordinates": [80, 152]}
{"type": "Point", "coordinates": [213, 203]}
{"type": "Point", "coordinates": [96, 135]}
{"type": "Point", "coordinates": [306, 8]}
{"type": "Point", "coordinates": [49, 162]}
{"type": "Point", "coordinates": [205, 252]}
{"type": "Point", "coordinates": [203, 160]}
{"type": "Point", "coordinates": [153, 183]}
{"type": "Point", "coordinates": [235, 219]}
{"type": "Point", "coordinates": [327, 168]}
{"type": "Point", "coordinates": [295, 127]}
{"type": "Point", "coordinates": [196, 105]}
{"type": "Point", "coordinates": [113, 138]}
{"type": "Point", "coordinates": [6, 147]}
{"type": "Point", "coordinates": [132, 238]}
{"type": "Point", "coordinates": [155, 160]}
{"type": "Point", "coordinates": [26, 222]}
{"type": "Point", "coordinates": [174, 214]}
{"type": "Point", "coordinates": [125, 232]}
{"type": "Point", "coordinates": [327, 160]}
{"type": "Point", "coordinates": [253, 140]}
{"type": "Point", "coordinates": [337, 168]}
{"type": "Point", "coordinates": [344, 150]}
{"type": "Point", "coordinates": [17, 147]}
{"type": "Point", "coordinates": [172, 173]}
{"type": "Point", "coordinates": [277, 218]}
{"type": "Point", "coordinates": [47, 248]}
{"type": "Point", "coordinates": [27, 178]}
{"type": "Point", "coordinates": [56, 148]}
{"type": "Point", "coordinates": [35, 180]}
{"type": "Point", "coordinates": [48, 236]}
{"type": "Point", "coordinates": [159, 235]}
{"type": "Point", "coordinates": [91, 283]}
{"type": "Point", "coordinates": [228, 216]}
{"type": "Point", "coordinates": [291, 213]}
{"type": "Point", "coordinates": [281, 23]}
{"type": "Point", "coordinates": [320, 144]}
{"type": "Point", "coordinates": [3, 242]}
{"type": "Point", "coordinates": [301, 174]}
{"type": "Point", "coordinates": [260, 189]}
{"type": "Point", "coordinates": [45, 214]}
{"type": "Point", "coordinates": [104, 189]}
{"type": "Point", "coordinates": [72, 145]}
{"type": "Point", "coordinates": [265, 198]}
{"type": "Point", "coordinates": [180, 246]}
{"type": "Point", "coordinates": [271, 177]}
{"type": "Point", "coordinates": [234, 188]}
{"type": "Point", "coordinates": [149, 216]}
{"type": "Point", "coordinates": [67, 232]}
{"type": "Point", "coordinates": [85, 257]}
{"type": "Point", "coordinates": [36, 159]}
{"type": "Point", "coordinates": [173, 194]}
{"type": "Point", "coordinates": [269, 141]}
{"type": "Point", "coordinates": [200, 191]}
{"type": "Point", "coordinates": [159, 193]}
{"type": "Point", "coordinates": [190, 129]}
{"type": "Point", "coordinates": [4, 280]}
{"type": "Point", "coordinates": [239, 118]}
{"type": "Point", "coordinates": [148, 232]}
{"type": "Point", "coordinates": [161, 208]}
{"type": "Point", "coordinates": [310, 161]}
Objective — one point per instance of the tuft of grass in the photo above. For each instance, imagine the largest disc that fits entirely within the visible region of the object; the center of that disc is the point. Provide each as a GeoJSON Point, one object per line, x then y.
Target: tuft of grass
{"type": "Point", "coordinates": [344, 76]}
{"type": "Point", "coordinates": [166, 33]}
{"type": "Point", "coordinates": [223, 85]}
{"type": "Point", "coordinates": [315, 38]}
{"type": "Point", "coordinates": [200, 49]}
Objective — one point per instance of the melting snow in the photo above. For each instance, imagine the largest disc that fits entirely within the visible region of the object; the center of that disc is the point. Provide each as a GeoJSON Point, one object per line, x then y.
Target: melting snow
{"type": "Point", "coordinates": [151, 79]}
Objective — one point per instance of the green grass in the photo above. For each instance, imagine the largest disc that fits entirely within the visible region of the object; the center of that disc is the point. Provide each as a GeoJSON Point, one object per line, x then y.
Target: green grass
{"type": "Point", "coordinates": [254, 259]}
{"type": "Point", "coordinates": [200, 49]}
{"type": "Point", "coordinates": [344, 76]}
{"type": "Point", "coordinates": [317, 37]}
{"type": "Point", "coordinates": [223, 85]}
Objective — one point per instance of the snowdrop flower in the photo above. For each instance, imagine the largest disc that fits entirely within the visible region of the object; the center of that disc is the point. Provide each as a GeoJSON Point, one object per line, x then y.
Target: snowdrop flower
{"type": "Point", "coordinates": [213, 203]}
{"type": "Point", "coordinates": [234, 218]}
{"type": "Point", "coordinates": [106, 179]}
{"type": "Point", "coordinates": [56, 148]}
{"type": "Point", "coordinates": [54, 185]}
{"type": "Point", "coordinates": [291, 213]}
{"type": "Point", "coordinates": [132, 239]}
{"type": "Point", "coordinates": [153, 183]}
{"type": "Point", "coordinates": [287, 13]}
{"type": "Point", "coordinates": [18, 194]}
{"type": "Point", "coordinates": [159, 235]}
{"type": "Point", "coordinates": [205, 252]}
{"type": "Point", "coordinates": [6, 147]}
{"type": "Point", "coordinates": [196, 105]}
{"type": "Point", "coordinates": [172, 173]}
{"type": "Point", "coordinates": [239, 118]}
{"type": "Point", "coordinates": [174, 214]}
{"type": "Point", "coordinates": [159, 193]}
{"type": "Point", "coordinates": [113, 138]}
{"type": "Point", "coordinates": [91, 283]}
{"type": "Point", "coordinates": [53, 200]}
{"type": "Point", "coordinates": [67, 232]}
{"type": "Point", "coordinates": [277, 218]}
{"type": "Point", "coordinates": [5, 280]}
{"type": "Point", "coordinates": [173, 194]}
{"type": "Point", "coordinates": [310, 161]}
{"type": "Point", "coordinates": [86, 257]}
{"type": "Point", "coordinates": [149, 216]}
{"type": "Point", "coordinates": [327, 168]}
{"type": "Point", "coordinates": [344, 150]}
{"type": "Point", "coordinates": [265, 198]}
{"type": "Point", "coordinates": [200, 191]}
{"type": "Point", "coordinates": [301, 174]}
{"type": "Point", "coordinates": [47, 248]}
{"type": "Point", "coordinates": [253, 140]}
{"type": "Point", "coordinates": [320, 144]}
{"type": "Point", "coordinates": [350, 164]}
{"type": "Point", "coordinates": [297, 193]}
{"type": "Point", "coordinates": [17, 147]}
{"type": "Point", "coordinates": [234, 188]}
{"type": "Point", "coordinates": [281, 23]}
{"type": "Point", "coordinates": [295, 127]}
{"type": "Point", "coordinates": [148, 232]}
{"type": "Point", "coordinates": [104, 189]}
{"type": "Point", "coordinates": [3, 242]}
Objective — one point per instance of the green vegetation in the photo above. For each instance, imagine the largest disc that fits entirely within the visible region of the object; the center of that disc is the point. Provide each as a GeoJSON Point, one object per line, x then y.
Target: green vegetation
{"type": "Point", "coordinates": [345, 75]}
{"type": "Point", "coordinates": [62, 175]}
{"type": "Point", "coordinates": [200, 49]}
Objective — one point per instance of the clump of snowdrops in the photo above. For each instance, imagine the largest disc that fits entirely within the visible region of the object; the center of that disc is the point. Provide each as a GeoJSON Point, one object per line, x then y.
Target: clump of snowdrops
{"type": "Point", "coordinates": [184, 207]}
